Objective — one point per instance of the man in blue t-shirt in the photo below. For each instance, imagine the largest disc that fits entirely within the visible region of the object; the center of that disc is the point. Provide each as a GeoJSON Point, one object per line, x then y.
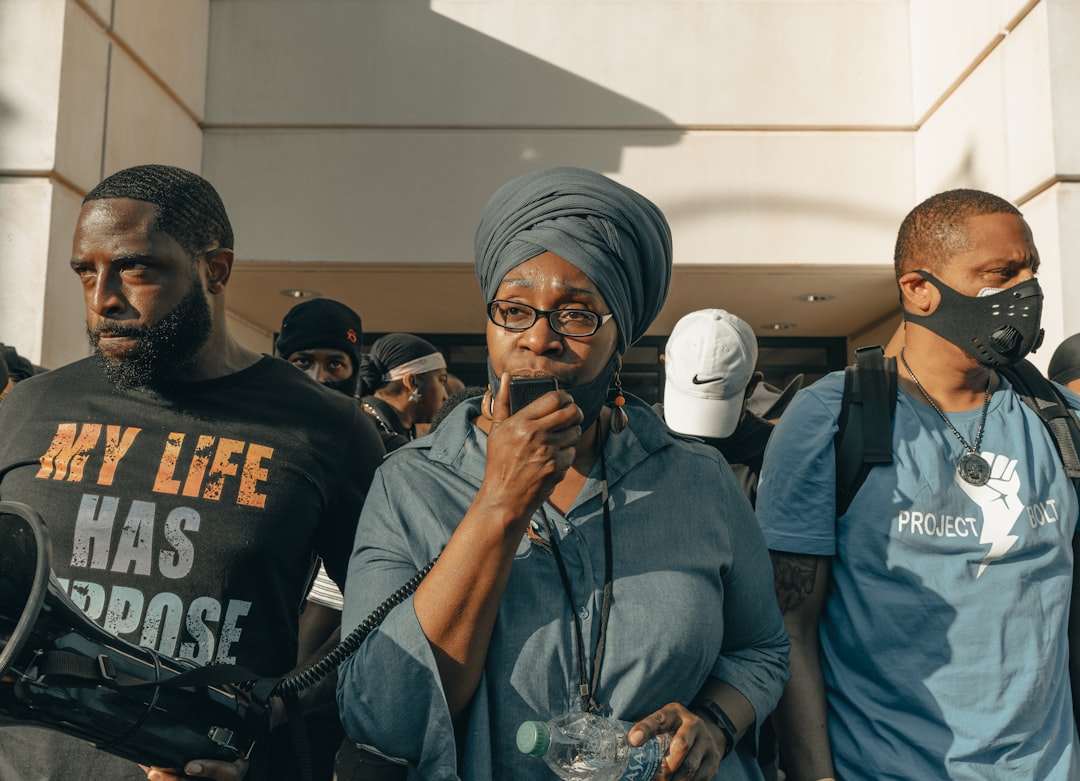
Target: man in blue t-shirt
{"type": "Point", "coordinates": [929, 622]}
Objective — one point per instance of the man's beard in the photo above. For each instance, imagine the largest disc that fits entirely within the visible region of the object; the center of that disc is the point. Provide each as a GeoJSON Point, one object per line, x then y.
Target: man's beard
{"type": "Point", "coordinates": [166, 350]}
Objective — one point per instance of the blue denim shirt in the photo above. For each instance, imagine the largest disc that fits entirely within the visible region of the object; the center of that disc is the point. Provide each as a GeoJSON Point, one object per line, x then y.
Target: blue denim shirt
{"type": "Point", "coordinates": [692, 597]}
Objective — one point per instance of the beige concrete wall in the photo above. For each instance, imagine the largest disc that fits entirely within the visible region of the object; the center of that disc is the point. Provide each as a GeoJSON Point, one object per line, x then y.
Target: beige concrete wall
{"type": "Point", "coordinates": [1054, 216]}
{"type": "Point", "coordinates": [537, 64]}
{"type": "Point", "coordinates": [1011, 125]}
{"type": "Point", "coordinates": [86, 87]}
{"type": "Point", "coordinates": [25, 206]}
{"type": "Point", "coordinates": [949, 38]}
{"type": "Point", "coordinates": [382, 196]}
{"type": "Point", "coordinates": [769, 132]}
{"type": "Point", "coordinates": [775, 134]}
{"type": "Point", "coordinates": [1063, 26]}
{"type": "Point", "coordinates": [250, 335]}
{"type": "Point", "coordinates": [31, 39]}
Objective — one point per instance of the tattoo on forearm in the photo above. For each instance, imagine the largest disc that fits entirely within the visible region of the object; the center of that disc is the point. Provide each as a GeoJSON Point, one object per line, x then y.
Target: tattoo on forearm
{"type": "Point", "coordinates": [794, 578]}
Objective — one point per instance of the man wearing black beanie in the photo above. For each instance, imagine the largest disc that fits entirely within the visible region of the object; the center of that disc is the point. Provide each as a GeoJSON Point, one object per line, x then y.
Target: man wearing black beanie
{"type": "Point", "coordinates": [322, 338]}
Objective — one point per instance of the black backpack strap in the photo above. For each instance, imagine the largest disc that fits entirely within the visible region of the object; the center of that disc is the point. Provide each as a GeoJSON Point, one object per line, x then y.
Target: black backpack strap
{"type": "Point", "coordinates": [1041, 395]}
{"type": "Point", "coordinates": [864, 434]}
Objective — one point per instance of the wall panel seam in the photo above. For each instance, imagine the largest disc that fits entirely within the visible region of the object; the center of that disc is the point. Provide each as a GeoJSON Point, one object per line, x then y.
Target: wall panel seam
{"type": "Point", "coordinates": [975, 63]}
{"type": "Point", "coordinates": [466, 128]}
{"type": "Point", "coordinates": [141, 64]}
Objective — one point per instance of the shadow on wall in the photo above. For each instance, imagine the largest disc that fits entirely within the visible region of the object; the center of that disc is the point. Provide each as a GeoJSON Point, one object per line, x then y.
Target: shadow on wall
{"type": "Point", "coordinates": [434, 117]}
{"type": "Point", "coordinates": [5, 112]}
{"type": "Point", "coordinates": [734, 204]}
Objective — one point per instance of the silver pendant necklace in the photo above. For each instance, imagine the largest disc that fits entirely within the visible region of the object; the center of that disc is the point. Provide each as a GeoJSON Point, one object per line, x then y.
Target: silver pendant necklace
{"type": "Point", "coordinates": [971, 467]}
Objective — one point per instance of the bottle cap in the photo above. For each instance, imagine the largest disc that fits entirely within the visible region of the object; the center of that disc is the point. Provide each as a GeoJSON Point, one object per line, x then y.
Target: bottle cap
{"type": "Point", "coordinates": [533, 738]}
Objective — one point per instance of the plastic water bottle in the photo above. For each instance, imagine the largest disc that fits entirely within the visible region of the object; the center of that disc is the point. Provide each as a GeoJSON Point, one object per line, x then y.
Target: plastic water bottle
{"type": "Point", "coordinates": [587, 747]}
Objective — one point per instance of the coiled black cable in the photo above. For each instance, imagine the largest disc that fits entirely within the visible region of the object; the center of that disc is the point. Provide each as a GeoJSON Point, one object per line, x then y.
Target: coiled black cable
{"type": "Point", "coordinates": [346, 647]}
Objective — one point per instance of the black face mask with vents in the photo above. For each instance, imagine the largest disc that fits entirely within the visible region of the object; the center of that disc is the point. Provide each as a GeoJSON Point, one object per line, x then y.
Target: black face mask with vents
{"type": "Point", "coordinates": [998, 327]}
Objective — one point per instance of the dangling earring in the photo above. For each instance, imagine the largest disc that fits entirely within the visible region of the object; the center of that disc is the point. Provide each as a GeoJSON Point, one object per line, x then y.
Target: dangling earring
{"type": "Point", "coordinates": [416, 395]}
{"type": "Point", "coordinates": [618, 414]}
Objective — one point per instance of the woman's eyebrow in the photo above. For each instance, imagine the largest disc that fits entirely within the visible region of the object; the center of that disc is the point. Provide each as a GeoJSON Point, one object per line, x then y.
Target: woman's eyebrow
{"type": "Point", "coordinates": [526, 283]}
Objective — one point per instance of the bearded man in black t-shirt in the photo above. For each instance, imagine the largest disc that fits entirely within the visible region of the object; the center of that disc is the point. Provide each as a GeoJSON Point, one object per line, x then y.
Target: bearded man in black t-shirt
{"type": "Point", "coordinates": [188, 483]}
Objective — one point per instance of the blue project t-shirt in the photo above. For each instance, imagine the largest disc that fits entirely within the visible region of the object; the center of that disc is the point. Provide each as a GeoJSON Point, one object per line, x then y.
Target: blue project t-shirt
{"type": "Point", "coordinates": [944, 634]}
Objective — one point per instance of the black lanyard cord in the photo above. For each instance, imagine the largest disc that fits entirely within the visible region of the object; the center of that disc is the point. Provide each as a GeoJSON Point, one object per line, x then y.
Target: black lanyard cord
{"type": "Point", "coordinates": [586, 690]}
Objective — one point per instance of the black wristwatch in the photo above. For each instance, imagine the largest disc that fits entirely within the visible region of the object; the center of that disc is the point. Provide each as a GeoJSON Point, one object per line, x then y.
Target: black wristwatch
{"type": "Point", "coordinates": [719, 717]}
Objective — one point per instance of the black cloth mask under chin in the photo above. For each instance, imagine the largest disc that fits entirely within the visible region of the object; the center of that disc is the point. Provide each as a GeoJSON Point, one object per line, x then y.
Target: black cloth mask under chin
{"type": "Point", "coordinates": [589, 397]}
{"type": "Point", "coordinates": [998, 327]}
{"type": "Point", "coordinates": [348, 386]}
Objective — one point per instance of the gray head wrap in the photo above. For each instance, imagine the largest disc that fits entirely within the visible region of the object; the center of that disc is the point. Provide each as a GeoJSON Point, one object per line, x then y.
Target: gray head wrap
{"type": "Point", "coordinates": [615, 236]}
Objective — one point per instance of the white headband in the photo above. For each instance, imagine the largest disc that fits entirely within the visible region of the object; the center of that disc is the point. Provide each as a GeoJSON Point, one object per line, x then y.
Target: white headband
{"type": "Point", "coordinates": [425, 363]}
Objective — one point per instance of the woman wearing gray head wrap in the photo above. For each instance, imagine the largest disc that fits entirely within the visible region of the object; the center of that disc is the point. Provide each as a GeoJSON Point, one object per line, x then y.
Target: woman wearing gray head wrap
{"type": "Point", "coordinates": [613, 235]}
{"type": "Point", "coordinates": [582, 565]}
{"type": "Point", "coordinates": [618, 238]}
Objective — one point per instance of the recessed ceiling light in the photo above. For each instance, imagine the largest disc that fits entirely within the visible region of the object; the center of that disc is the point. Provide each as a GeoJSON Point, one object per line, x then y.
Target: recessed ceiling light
{"type": "Point", "coordinates": [777, 326]}
{"type": "Point", "coordinates": [298, 293]}
{"type": "Point", "coordinates": [813, 298]}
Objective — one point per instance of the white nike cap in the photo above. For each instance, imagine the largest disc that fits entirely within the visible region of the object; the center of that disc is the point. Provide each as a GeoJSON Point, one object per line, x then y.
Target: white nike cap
{"type": "Point", "coordinates": [708, 362]}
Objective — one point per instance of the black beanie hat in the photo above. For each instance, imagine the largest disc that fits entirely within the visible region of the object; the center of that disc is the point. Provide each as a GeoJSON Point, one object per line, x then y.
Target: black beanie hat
{"type": "Point", "coordinates": [321, 323]}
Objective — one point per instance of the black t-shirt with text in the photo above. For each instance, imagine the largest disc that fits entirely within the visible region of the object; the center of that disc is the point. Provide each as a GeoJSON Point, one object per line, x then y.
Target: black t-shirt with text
{"type": "Point", "coordinates": [186, 522]}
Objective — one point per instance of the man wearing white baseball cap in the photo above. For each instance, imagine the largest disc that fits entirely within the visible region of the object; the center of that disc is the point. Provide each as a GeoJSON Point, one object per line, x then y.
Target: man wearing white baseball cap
{"type": "Point", "coordinates": [709, 362]}
{"type": "Point", "coordinates": [709, 365]}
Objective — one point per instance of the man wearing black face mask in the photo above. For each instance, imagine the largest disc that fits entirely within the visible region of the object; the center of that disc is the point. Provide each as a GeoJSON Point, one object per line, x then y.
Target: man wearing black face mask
{"type": "Point", "coordinates": [321, 338]}
{"type": "Point", "coordinates": [928, 621]}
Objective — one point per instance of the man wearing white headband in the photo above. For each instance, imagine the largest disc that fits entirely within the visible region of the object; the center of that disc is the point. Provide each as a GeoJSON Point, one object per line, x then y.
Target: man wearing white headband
{"type": "Point", "coordinates": [405, 377]}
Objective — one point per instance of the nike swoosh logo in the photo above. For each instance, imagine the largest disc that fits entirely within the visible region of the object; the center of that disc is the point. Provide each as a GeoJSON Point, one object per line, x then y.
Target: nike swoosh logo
{"type": "Point", "coordinates": [706, 381]}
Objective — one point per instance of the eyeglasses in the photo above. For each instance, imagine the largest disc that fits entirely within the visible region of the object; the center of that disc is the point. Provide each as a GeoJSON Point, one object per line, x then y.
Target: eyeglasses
{"type": "Point", "coordinates": [515, 316]}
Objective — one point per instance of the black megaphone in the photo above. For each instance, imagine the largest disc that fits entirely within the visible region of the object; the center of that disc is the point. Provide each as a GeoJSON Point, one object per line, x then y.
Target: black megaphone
{"type": "Point", "coordinates": [58, 669]}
